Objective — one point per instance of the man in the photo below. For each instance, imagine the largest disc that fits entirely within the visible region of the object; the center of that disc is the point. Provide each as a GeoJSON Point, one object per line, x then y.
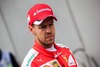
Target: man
{"type": "Point", "coordinates": [7, 59]}
{"type": "Point", "coordinates": [45, 52]}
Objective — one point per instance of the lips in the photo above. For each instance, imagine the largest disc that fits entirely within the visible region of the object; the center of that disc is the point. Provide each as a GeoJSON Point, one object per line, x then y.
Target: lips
{"type": "Point", "coordinates": [49, 36]}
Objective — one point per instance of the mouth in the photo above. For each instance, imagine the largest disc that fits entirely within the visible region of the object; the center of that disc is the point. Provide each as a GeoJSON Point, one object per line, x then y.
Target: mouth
{"type": "Point", "coordinates": [49, 36]}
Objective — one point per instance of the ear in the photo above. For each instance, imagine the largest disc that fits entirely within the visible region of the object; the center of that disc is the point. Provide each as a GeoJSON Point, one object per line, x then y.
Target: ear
{"type": "Point", "coordinates": [31, 28]}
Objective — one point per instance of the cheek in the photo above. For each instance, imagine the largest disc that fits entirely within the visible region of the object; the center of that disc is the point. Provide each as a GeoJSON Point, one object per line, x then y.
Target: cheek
{"type": "Point", "coordinates": [40, 34]}
{"type": "Point", "coordinates": [53, 30]}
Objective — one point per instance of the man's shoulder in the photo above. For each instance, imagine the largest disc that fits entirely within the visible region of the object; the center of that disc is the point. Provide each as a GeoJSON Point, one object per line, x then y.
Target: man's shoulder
{"type": "Point", "coordinates": [29, 57]}
{"type": "Point", "coordinates": [64, 46]}
{"type": "Point", "coordinates": [61, 45]}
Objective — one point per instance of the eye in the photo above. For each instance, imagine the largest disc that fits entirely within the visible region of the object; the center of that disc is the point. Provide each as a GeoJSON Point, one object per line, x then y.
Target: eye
{"type": "Point", "coordinates": [42, 27]}
{"type": "Point", "coordinates": [51, 25]}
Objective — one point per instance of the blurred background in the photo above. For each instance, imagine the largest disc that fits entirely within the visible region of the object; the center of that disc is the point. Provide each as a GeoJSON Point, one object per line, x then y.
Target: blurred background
{"type": "Point", "coordinates": [78, 27]}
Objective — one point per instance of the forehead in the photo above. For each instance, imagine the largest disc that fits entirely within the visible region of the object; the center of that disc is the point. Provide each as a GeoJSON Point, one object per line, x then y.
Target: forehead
{"type": "Point", "coordinates": [48, 20]}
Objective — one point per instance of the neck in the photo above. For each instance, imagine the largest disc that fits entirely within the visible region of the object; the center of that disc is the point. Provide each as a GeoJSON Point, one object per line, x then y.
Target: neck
{"type": "Point", "coordinates": [52, 49]}
{"type": "Point", "coordinates": [44, 45]}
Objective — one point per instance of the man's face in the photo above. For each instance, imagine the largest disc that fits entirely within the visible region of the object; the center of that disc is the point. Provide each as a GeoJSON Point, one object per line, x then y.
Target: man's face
{"type": "Point", "coordinates": [45, 32]}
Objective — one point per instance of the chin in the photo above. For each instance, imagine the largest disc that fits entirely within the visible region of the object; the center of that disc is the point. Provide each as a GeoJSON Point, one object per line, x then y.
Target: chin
{"type": "Point", "coordinates": [50, 42]}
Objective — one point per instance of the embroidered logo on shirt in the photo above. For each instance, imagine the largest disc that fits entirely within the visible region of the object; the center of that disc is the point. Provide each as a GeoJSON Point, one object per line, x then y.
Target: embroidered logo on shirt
{"type": "Point", "coordinates": [52, 63]}
{"type": "Point", "coordinates": [55, 63]}
{"type": "Point", "coordinates": [29, 58]}
{"type": "Point", "coordinates": [57, 54]}
{"type": "Point", "coordinates": [40, 60]}
{"type": "Point", "coordinates": [65, 58]}
{"type": "Point", "coordinates": [28, 61]}
{"type": "Point", "coordinates": [46, 66]}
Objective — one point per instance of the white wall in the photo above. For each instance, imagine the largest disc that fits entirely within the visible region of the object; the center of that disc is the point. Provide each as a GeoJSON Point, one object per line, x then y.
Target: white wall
{"type": "Point", "coordinates": [77, 25]}
{"type": "Point", "coordinates": [87, 17]}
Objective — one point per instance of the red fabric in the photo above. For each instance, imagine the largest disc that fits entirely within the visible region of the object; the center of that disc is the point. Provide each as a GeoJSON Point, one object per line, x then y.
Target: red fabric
{"type": "Point", "coordinates": [39, 12]}
{"type": "Point", "coordinates": [61, 55]}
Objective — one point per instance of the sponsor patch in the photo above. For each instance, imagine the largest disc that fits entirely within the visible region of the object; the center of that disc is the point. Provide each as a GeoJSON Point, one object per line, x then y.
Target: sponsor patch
{"type": "Point", "coordinates": [65, 58]}
{"type": "Point", "coordinates": [46, 66]}
{"type": "Point", "coordinates": [29, 58]}
{"type": "Point", "coordinates": [55, 63]}
{"type": "Point", "coordinates": [41, 10]}
{"type": "Point", "coordinates": [52, 63]}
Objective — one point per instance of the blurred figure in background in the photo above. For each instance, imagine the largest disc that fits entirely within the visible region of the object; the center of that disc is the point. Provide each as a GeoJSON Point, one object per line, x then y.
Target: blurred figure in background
{"type": "Point", "coordinates": [7, 59]}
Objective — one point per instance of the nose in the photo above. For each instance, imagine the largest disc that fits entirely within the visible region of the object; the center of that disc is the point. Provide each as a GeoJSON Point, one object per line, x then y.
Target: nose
{"type": "Point", "coordinates": [48, 29]}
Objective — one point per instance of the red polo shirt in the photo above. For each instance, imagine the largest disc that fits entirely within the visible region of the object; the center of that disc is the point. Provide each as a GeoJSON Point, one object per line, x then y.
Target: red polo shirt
{"type": "Point", "coordinates": [38, 56]}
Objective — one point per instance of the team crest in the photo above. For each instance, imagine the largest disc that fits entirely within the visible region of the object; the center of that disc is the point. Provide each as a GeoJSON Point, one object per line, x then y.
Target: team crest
{"type": "Point", "coordinates": [52, 63]}
{"type": "Point", "coordinates": [55, 63]}
{"type": "Point", "coordinates": [65, 57]}
{"type": "Point", "coordinates": [46, 66]}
